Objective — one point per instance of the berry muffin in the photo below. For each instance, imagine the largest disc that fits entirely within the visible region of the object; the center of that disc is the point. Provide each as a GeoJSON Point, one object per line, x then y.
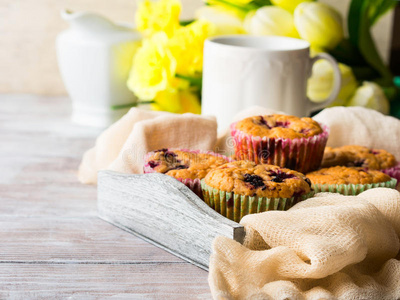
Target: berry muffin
{"type": "Point", "coordinates": [242, 187]}
{"type": "Point", "coordinates": [359, 156]}
{"type": "Point", "coordinates": [187, 166]}
{"type": "Point", "coordinates": [349, 180]}
{"type": "Point", "coordinates": [285, 141]}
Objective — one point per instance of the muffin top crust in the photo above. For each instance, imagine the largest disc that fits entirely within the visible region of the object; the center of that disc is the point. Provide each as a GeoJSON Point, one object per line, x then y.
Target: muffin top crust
{"type": "Point", "coordinates": [184, 164]}
{"type": "Point", "coordinates": [248, 179]}
{"type": "Point", "coordinates": [358, 156]}
{"type": "Point", "coordinates": [279, 126]}
{"type": "Point", "coordinates": [347, 175]}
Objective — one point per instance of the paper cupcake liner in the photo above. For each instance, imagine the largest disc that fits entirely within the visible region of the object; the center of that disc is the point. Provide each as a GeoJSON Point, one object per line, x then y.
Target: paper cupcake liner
{"type": "Point", "coordinates": [352, 189]}
{"type": "Point", "coordinates": [393, 172]}
{"type": "Point", "coordinates": [235, 207]}
{"type": "Point", "coordinates": [193, 184]}
{"type": "Point", "coordinates": [302, 154]}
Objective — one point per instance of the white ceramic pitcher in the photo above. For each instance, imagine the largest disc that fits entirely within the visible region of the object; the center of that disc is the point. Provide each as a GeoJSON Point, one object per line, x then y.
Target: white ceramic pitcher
{"type": "Point", "coordinates": [94, 57]}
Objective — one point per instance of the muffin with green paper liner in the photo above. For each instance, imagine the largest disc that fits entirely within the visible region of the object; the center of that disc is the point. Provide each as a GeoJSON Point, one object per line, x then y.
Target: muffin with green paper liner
{"type": "Point", "coordinates": [187, 166]}
{"type": "Point", "coordinates": [349, 180]}
{"type": "Point", "coordinates": [282, 140]}
{"type": "Point", "coordinates": [360, 156]}
{"type": "Point", "coordinates": [242, 187]}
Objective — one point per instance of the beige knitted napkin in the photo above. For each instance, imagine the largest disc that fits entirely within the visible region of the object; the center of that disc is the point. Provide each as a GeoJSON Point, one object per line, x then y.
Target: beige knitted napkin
{"type": "Point", "coordinates": [361, 126]}
{"type": "Point", "coordinates": [123, 145]}
{"type": "Point", "coordinates": [327, 247]}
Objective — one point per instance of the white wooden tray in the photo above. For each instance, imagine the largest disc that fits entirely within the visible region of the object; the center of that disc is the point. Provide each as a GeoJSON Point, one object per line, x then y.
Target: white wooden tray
{"type": "Point", "coordinates": [164, 212]}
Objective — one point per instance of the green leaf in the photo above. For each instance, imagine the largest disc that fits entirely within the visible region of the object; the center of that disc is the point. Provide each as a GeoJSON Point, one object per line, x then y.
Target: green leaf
{"type": "Point", "coordinates": [395, 106]}
{"type": "Point", "coordinates": [371, 10]}
{"type": "Point", "coordinates": [260, 3]}
{"type": "Point", "coordinates": [244, 8]}
{"type": "Point", "coordinates": [364, 73]}
{"type": "Point", "coordinates": [194, 81]}
{"type": "Point", "coordinates": [133, 104]}
{"type": "Point", "coordinates": [396, 81]}
{"type": "Point", "coordinates": [394, 97]}
{"type": "Point", "coordinates": [186, 22]}
{"type": "Point", "coordinates": [345, 52]}
{"type": "Point", "coordinates": [362, 15]}
{"type": "Point", "coordinates": [380, 9]}
{"type": "Point", "coordinates": [390, 92]}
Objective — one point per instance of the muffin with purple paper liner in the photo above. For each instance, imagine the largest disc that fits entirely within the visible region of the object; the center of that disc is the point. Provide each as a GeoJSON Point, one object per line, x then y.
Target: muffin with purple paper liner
{"type": "Point", "coordinates": [360, 156]}
{"type": "Point", "coordinates": [187, 166]}
{"type": "Point", "coordinates": [349, 180]}
{"type": "Point", "coordinates": [282, 140]}
{"type": "Point", "coordinates": [394, 172]}
{"type": "Point", "coordinates": [241, 187]}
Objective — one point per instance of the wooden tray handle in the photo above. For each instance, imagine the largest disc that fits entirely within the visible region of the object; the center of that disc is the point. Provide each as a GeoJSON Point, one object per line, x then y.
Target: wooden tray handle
{"type": "Point", "coordinates": [164, 212]}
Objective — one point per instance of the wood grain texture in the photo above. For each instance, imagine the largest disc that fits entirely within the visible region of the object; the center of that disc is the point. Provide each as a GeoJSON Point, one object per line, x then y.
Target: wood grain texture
{"type": "Point", "coordinates": [164, 211]}
{"type": "Point", "coordinates": [53, 245]}
{"type": "Point", "coordinates": [103, 281]}
{"type": "Point", "coordinates": [73, 240]}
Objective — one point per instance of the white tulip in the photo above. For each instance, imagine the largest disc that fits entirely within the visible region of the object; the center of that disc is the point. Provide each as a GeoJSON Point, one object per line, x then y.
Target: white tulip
{"type": "Point", "coordinates": [370, 95]}
{"type": "Point", "coordinates": [319, 24]}
{"type": "Point", "coordinates": [289, 5]}
{"type": "Point", "coordinates": [225, 22]}
{"type": "Point", "coordinates": [270, 20]}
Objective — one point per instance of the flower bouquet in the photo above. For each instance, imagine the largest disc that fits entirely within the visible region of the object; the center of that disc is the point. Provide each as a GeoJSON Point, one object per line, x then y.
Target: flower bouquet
{"type": "Point", "coordinates": [167, 68]}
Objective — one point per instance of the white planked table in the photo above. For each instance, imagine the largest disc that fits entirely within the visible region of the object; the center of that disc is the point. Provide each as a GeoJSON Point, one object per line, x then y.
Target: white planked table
{"type": "Point", "coordinates": [52, 244]}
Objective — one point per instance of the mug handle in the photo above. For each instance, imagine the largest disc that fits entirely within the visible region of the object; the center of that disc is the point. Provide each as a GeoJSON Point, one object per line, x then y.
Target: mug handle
{"type": "Point", "coordinates": [337, 81]}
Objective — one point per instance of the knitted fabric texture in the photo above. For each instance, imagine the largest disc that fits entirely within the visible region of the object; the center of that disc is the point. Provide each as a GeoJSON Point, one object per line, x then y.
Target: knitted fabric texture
{"type": "Point", "coordinates": [123, 145]}
{"type": "Point", "coordinates": [327, 247]}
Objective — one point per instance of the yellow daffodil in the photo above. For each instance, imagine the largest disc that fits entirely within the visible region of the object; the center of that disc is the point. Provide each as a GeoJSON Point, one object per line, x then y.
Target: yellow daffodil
{"type": "Point", "coordinates": [190, 102]}
{"type": "Point", "coordinates": [289, 5]}
{"type": "Point", "coordinates": [153, 68]}
{"type": "Point", "coordinates": [320, 83]}
{"type": "Point", "coordinates": [319, 24]}
{"type": "Point", "coordinates": [270, 20]}
{"type": "Point", "coordinates": [370, 95]}
{"type": "Point", "coordinates": [168, 100]}
{"type": "Point", "coordinates": [161, 15]}
{"type": "Point", "coordinates": [224, 21]}
{"type": "Point", "coordinates": [240, 2]}
{"type": "Point", "coordinates": [229, 4]}
{"type": "Point", "coordinates": [236, 7]}
{"type": "Point", "coordinates": [177, 101]}
{"type": "Point", "coordinates": [124, 54]}
{"type": "Point", "coordinates": [187, 46]}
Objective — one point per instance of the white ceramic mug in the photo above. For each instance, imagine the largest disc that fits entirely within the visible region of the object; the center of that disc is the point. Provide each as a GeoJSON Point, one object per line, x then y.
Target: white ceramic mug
{"type": "Point", "coordinates": [242, 71]}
